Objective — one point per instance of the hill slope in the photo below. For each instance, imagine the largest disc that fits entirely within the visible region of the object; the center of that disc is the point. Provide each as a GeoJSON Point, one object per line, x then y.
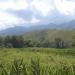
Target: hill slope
{"type": "Point", "coordinates": [50, 35]}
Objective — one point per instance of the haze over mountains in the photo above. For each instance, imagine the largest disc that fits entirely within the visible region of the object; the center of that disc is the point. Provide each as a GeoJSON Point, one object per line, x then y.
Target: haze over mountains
{"type": "Point", "coordinates": [20, 16]}
{"type": "Point", "coordinates": [18, 30]}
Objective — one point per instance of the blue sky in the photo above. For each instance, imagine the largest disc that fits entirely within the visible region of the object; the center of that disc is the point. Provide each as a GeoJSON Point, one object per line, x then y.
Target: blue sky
{"type": "Point", "coordinates": [32, 12]}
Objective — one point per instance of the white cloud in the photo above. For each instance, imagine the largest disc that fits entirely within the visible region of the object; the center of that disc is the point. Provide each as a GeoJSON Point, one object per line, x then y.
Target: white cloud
{"type": "Point", "coordinates": [43, 6]}
{"type": "Point", "coordinates": [15, 5]}
{"type": "Point", "coordinates": [66, 7]}
{"type": "Point", "coordinates": [34, 20]}
{"type": "Point", "coordinates": [7, 20]}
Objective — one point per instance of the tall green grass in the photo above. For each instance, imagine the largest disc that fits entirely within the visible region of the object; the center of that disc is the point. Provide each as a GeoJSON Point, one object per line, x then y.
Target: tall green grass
{"type": "Point", "coordinates": [36, 68]}
{"type": "Point", "coordinates": [37, 61]}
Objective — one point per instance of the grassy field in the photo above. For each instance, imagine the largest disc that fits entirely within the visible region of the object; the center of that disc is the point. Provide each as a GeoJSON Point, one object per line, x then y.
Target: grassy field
{"type": "Point", "coordinates": [52, 61]}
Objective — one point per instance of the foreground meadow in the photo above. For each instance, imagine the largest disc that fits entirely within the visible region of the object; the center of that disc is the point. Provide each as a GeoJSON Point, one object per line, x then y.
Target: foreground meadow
{"type": "Point", "coordinates": [37, 61]}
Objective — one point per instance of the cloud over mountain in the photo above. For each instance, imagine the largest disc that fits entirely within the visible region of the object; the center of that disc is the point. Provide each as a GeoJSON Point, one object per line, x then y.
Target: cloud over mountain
{"type": "Point", "coordinates": [26, 12]}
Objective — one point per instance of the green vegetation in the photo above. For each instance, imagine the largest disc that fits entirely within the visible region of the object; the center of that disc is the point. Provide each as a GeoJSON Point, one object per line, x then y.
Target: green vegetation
{"type": "Point", "coordinates": [46, 38]}
{"type": "Point", "coordinates": [42, 38]}
{"type": "Point", "coordinates": [45, 52]}
{"type": "Point", "coordinates": [37, 61]}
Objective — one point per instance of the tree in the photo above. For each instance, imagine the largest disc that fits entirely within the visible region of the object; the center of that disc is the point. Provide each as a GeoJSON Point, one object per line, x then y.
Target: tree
{"type": "Point", "coordinates": [7, 41]}
{"type": "Point", "coordinates": [73, 43]}
{"type": "Point", "coordinates": [29, 43]}
{"type": "Point", "coordinates": [59, 43]}
{"type": "Point", "coordinates": [17, 41]}
{"type": "Point", "coordinates": [1, 41]}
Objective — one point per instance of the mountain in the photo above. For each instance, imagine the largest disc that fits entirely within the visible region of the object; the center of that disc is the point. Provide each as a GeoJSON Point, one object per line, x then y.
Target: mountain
{"type": "Point", "coordinates": [14, 31]}
{"type": "Point", "coordinates": [68, 25]}
{"type": "Point", "coordinates": [18, 30]}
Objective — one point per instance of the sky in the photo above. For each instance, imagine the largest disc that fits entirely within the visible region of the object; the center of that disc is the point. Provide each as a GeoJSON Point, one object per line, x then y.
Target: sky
{"type": "Point", "coordinates": [33, 12]}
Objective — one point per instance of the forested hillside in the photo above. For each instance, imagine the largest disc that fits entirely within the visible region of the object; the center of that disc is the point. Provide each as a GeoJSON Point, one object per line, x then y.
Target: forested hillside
{"type": "Point", "coordinates": [41, 38]}
{"type": "Point", "coordinates": [49, 36]}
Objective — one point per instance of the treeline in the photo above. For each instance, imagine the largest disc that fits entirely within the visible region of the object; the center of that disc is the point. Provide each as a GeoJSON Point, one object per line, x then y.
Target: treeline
{"type": "Point", "coordinates": [20, 42]}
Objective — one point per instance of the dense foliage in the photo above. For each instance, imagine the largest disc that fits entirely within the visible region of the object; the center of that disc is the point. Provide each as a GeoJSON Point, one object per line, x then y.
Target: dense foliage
{"type": "Point", "coordinates": [20, 42]}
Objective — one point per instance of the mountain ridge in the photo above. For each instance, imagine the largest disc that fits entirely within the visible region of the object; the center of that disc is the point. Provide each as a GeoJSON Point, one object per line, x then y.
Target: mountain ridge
{"type": "Point", "coordinates": [18, 30]}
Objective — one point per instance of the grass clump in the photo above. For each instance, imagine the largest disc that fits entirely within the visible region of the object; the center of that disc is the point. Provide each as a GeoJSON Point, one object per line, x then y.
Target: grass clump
{"type": "Point", "coordinates": [36, 68]}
